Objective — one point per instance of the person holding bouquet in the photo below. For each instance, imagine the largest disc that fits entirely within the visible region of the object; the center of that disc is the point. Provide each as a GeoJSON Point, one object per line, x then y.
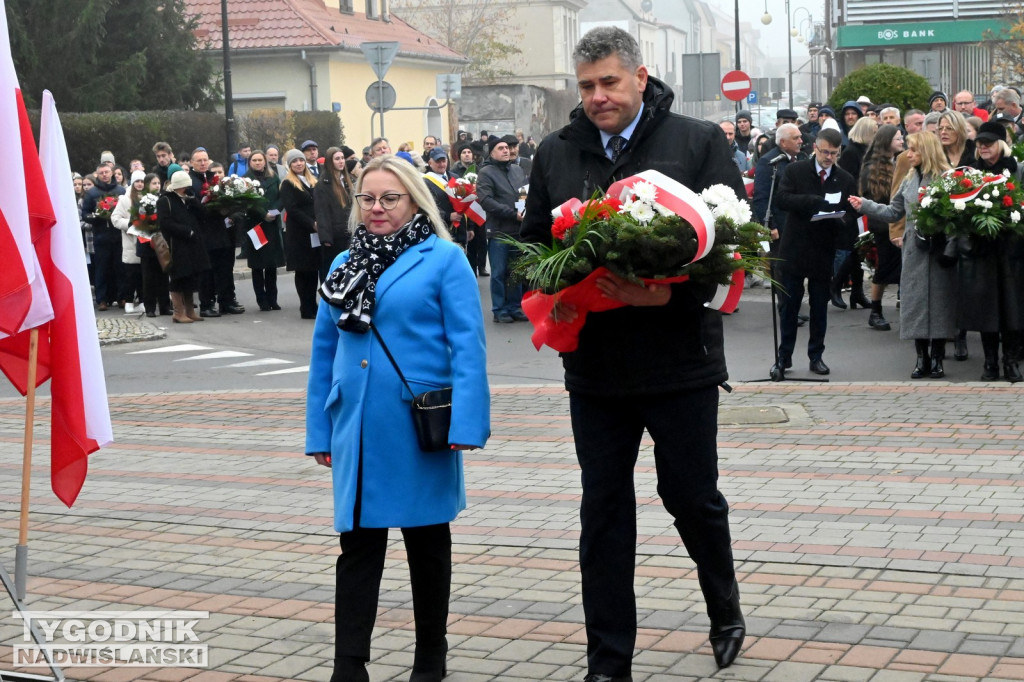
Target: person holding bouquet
{"type": "Point", "coordinates": [180, 217]}
{"type": "Point", "coordinates": [265, 260]}
{"type": "Point", "coordinates": [989, 290]}
{"type": "Point", "coordinates": [654, 363]}
{"type": "Point", "coordinates": [928, 286]}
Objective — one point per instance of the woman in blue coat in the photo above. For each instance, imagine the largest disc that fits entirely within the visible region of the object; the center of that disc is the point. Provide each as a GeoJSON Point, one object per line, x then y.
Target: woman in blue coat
{"type": "Point", "coordinates": [404, 276]}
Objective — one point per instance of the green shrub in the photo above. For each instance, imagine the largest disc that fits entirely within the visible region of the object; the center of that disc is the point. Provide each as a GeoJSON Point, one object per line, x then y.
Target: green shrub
{"type": "Point", "coordinates": [883, 83]}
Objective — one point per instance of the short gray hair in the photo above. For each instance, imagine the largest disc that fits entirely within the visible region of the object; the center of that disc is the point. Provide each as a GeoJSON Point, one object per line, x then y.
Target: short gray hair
{"type": "Point", "coordinates": [932, 117]}
{"type": "Point", "coordinates": [1007, 96]}
{"type": "Point", "coordinates": [790, 128]}
{"type": "Point", "coordinates": [604, 42]}
{"type": "Point", "coordinates": [887, 109]}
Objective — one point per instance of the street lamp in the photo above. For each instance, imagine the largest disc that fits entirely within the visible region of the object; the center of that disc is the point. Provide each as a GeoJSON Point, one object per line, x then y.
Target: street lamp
{"type": "Point", "coordinates": [766, 19]}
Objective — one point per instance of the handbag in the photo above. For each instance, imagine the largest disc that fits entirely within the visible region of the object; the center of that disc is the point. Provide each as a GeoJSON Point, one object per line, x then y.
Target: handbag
{"type": "Point", "coordinates": [431, 410]}
{"type": "Point", "coordinates": [162, 250]}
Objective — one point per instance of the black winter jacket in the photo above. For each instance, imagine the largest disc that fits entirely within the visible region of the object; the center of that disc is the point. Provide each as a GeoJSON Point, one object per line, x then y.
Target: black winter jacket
{"type": "Point", "coordinates": [180, 219]}
{"type": "Point", "coordinates": [103, 230]}
{"type": "Point", "coordinates": [497, 185]}
{"type": "Point", "coordinates": [638, 350]}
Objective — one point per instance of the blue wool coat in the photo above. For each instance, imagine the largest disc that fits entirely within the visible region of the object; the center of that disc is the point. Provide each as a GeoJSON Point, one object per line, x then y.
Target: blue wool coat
{"type": "Point", "coordinates": [428, 312]}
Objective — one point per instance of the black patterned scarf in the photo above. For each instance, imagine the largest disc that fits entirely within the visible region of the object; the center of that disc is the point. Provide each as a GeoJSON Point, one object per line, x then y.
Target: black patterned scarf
{"type": "Point", "coordinates": [352, 286]}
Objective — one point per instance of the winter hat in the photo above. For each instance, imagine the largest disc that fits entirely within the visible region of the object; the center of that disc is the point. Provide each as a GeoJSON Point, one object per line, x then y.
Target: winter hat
{"type": "Point", "coordinates": [990, 131]}
{"type": "Point", "coordinates": [864, 99]}
{"type": "Point", "coordinates": [309, 143]}
{"type": "Point", "coordinates": [172, 169]}
{"type": "Point", "coordinates": [830, 124]}
{"type": "Point", "coordinates": [137, 175]}
{"type": "Point", "coordinates": [743, 113]}
{"type": "Point", "coordinates": [291, 155]}
{"type": "Point", "coordinates": [107, 157]}
{"type": "Point", "coordinates": [179, 180]}
{"type": "Point", "coordinates": [827, 111]}
{"type": "Point", "coordinates": [938, 94]}
{"type": "Point", "coordinates": [407, 156]}
{"type": "Point", "coordinates": [511, 141]}
{"type": "Point", "coordinates": [492, 142]}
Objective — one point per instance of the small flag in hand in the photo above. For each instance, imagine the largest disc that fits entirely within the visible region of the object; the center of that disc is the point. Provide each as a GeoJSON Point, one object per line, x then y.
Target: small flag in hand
{"type": "Point", "coordinates": [259, 240]}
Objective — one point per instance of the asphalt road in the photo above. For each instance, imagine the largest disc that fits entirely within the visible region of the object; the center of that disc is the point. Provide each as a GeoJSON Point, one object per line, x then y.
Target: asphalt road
{"type": "Point", "coordinates": [259, 350]}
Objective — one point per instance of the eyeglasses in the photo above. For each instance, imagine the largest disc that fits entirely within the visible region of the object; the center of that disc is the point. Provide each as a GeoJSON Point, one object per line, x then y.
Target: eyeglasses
{"type": "Point", "coordinates": [387, 201]}
{"type": "Point", "coordinates": [970, 101]}
{"type": "Point", "coordinates": [826, 152]}
{"type": "Point", "coordinates": [946, 129]}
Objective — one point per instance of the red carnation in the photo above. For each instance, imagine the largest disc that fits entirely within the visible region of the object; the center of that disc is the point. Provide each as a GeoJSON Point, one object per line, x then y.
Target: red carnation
{"type": "Point", "coordinates": [958, 174]}
{"type": "Point", "coordinates": [967, 183]}
{"type": "Point", "coordinates": [1007, 201]}
{"type": "Point", "coordinates": [1010, 186]}
{"type": "Point", "coordinates": [561, 226]}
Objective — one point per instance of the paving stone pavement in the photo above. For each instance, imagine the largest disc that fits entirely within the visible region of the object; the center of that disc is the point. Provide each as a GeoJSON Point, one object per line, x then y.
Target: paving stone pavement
{"type": "Point", "coordinates": [878, 532]}
{"type": "Point", "coordinates": [126, 329]}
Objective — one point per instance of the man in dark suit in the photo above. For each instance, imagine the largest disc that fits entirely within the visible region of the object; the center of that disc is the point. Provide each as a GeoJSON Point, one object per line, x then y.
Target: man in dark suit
{"type": "Point", "coordinates": [807, 245]}
{"type": "Point", "coordinates": [437, 177]}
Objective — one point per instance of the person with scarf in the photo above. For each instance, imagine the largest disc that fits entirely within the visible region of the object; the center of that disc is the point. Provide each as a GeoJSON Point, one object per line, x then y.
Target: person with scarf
{"type": "Point", "coordinates": [301, 240]}
{"type": "Point", "coordinates": [332, 198]}
{"type": "Point", "coordinates": [265, 260]}
{"type": "Point", "coordinates": [989, 285]}
{"type": "Point", "coordinates": [405, 277]}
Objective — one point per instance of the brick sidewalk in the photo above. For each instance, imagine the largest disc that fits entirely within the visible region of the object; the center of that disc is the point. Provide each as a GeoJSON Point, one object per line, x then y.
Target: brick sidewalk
{"type": "Point", "coordinates": [879, 536]}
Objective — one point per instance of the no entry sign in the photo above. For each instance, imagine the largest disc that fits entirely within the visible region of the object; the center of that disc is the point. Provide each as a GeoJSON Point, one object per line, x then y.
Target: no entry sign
{"type": "Point", "coordinates": [736, 85]}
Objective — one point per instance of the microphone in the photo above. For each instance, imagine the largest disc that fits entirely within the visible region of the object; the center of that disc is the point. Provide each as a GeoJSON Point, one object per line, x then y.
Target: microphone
{"type": "Point", "coordinates": [778, 159]}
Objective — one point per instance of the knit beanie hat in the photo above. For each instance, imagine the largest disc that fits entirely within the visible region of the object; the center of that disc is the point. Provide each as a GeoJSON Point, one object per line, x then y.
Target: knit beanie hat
{"type": "Point", "coordinates": [291, 155]}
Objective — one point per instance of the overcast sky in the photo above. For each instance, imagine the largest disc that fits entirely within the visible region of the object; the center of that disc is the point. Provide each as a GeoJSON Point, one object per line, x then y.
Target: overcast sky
{"type": "Point", "coordinates": [774, 35]}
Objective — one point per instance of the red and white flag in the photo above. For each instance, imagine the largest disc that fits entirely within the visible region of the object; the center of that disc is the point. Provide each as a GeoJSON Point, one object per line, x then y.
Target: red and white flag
{"type": "Point", "coordinates": [24, 211]}
{"type": "Point", "coordinates": [259, 239]}
{"type": "Point", "coordinates": [81, 416]}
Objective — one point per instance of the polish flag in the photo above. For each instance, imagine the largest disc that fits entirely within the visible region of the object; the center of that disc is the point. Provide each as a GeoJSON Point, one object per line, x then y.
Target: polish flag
{"type": "Point", "coordinates": [80, 422]}
{"type": "Point", "coordinates": [23, 300]}
{"type": "Point", "coordinates": [259, 240]}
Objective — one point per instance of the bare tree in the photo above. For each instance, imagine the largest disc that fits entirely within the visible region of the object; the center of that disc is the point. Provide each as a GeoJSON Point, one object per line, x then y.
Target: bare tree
{"type": "Point", "coordinates": [1006, 45]}
{"type": "Point", "coordinates": [483, 30]}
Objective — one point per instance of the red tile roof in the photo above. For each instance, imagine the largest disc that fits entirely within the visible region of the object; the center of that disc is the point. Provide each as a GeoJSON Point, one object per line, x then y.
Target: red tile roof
{"type": "Point", "coordinates": [265, 24]}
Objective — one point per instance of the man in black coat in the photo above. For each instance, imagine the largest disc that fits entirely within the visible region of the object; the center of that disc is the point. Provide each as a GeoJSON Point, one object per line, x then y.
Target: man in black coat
{"type": "Point", "coordinates": [655, 363]}
{"type": "Point", "coordinates": [497, 186]}
{"type": "Point", "coordinates": [216, 285]}
{"type": "Point", "coordinates": [809, 188]}
{"type": "Point", "coordinates": [106, 261]}
{"type": "Point", "coordinates": [437, 177]}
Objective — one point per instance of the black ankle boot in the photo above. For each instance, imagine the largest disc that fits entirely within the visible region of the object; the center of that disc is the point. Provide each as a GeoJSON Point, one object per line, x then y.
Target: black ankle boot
{"type": "Point", "coordinates": [922, 367]}
{"type": "Point", "coordinates": [835, 291]}
{"type": "Point", "coordinates": [857, 297]}
{"type": "Point", "coordinates": [350, 669]}
{"type": "Point", "coordinates": [990, 370]}
{"type": "Point", "coordinates": [875, 320]}
{"type": "Point", "coordinates": [938, 352]}
{"type": "Point", "coordinates": [728, 629]}
{"type": "Point", "coordinates": [1011, 370]}
{"type": "Point", "coordinates": [960, 346]}
{"type": "Point", "coordinates": [430, 665]}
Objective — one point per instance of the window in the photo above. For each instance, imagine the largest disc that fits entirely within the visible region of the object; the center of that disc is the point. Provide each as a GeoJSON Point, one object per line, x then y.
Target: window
{"type": "Point", "coordinates": [371, 9]}
{"type": "Point", "coordinates": [345, 6]}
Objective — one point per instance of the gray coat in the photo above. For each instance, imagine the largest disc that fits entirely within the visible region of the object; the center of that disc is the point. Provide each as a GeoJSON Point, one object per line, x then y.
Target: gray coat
{"type": "Point", "coordinates": [927, 289]}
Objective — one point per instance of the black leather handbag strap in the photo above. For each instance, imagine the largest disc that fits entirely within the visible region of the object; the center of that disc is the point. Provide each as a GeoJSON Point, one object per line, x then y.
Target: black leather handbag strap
{"type": "Point", "coordinates": [387, 352]}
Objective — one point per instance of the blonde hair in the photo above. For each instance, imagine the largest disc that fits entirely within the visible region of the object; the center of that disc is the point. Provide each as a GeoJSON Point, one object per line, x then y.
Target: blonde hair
{"type": "Point", "coordinates": [933, 158]}
{"type": "Point", "coordinates": [413, 183]}
{"type": "Point", "coordinates": [863, 131]}
{"type": "Point", "coordinates": [291, 177]}
{"type": "Point", "coordinates": [959, 123]}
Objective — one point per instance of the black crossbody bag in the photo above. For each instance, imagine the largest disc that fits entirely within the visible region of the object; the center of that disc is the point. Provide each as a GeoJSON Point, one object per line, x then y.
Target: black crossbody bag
{"type": "Point", "coordinates": [431, 411]}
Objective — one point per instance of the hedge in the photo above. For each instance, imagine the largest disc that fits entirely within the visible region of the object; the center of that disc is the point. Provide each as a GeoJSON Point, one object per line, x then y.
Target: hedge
{"type": "Point", "coordinates": [131, 134]}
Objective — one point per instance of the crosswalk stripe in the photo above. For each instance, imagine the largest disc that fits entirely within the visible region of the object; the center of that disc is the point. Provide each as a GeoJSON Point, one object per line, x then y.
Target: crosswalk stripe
{"type": "Point", "coordinates": [290, 370]}
{"type": "Point", "coordinates": [258, 363]}
{"type": "Point", "coordinates": [217, 355]}
{"type": "Point", "coordinates": [182, 348]}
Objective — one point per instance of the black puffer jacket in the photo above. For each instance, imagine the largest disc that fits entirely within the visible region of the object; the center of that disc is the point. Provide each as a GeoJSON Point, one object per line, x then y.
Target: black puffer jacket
{"type": "Point", "coordinates": [497, 185]}
{"type": "Point", "coordinates": [638, 350]}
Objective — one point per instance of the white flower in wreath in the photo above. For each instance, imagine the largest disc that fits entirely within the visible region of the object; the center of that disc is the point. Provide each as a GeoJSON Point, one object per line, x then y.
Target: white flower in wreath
{"type": "Point", "coordinates": [995, 192]}
{"type": "Point", "coordinates": [927, 201]}
{"type": "Point", "coordinates": [1015, 216]}
{"type": "Point", "coordinates": [960, 205]}
{"type": "Point", "coordinates": [642, 212]}
{"type": "Point", "coordinates": [645, 192]}
{"type": "Point", "coordinates": [663, 211]}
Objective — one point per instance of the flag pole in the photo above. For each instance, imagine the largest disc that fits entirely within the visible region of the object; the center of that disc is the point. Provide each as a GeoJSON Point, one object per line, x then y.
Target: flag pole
{"type": "Point", "coordinates": [21, 549]}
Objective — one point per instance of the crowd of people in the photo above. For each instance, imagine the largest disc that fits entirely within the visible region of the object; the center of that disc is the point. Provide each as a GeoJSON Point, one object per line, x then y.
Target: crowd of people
{"type": "Point", "coordinates": [873, 161]}
{"type": "Point", "coordinates": [303, 219]}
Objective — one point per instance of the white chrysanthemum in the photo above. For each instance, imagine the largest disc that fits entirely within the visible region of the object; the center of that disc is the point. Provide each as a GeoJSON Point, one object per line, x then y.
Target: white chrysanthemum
{"type": "Point", "coordinates": [663, 211]}
{"type": "Point", "coordinates": [645, 192]}
{"type": "Point", "coordinates": [1015, 216]}
{"type": "Point", "coordinates": [926, 201]}
{"type": "Point", "coordinates": [642, 212]}
{"type": "Point", "coordinates": [995, 192]}
{"type": "Point", "coordinates": [960, 204]}
{"type": "Point", "coordinates": [1006, 172]}
{"type": "Point", "coordinates": [718, 194]}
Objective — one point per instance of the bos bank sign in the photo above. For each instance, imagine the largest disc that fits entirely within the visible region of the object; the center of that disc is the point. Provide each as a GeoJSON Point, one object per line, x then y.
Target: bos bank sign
{"type": "Point", "coordinates": [914, 33]}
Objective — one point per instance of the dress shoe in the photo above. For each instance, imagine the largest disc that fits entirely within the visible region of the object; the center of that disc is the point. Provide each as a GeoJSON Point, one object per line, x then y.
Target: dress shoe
{"type": "Point", "coordinates": [102, 306]}
{"type": "Point", "coordinates": [504, 317]}
{"type": "Point", "coordinates": [484, 273]}
{"type": "Point", "coordinates": [274, 306]}
{"type": "Point", "coordinates": [819, 367]}
{"type": "Point", "coordinates": [727, 630]}
{"type": "Point", "coordinates": [208, 312]}
{"type": "Point", "coordinates": [990, 371]}
{"type": "Point", "coordinates": [520, 316]}
{"type": "Point", "coordinates": [150, 313]}
{"type": "Point", "coordinates": [598, 677]}
{"type": "Point", "coordinates": [876, 321]}
{"type": "Point", "coordinates": [231, 308]}
{"type": "Point", "coordinates": [1011, 371]}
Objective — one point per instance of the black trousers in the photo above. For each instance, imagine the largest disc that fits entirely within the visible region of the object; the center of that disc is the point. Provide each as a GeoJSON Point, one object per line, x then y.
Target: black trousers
{"type": "Point", "coordinates": [607, 431]}
{"type": "Point", "coordinates": [476, 250]}
{"type": "Point", "coordinates": [217, 285]}
{"type": "Point", "coordinates": [154, 286]}
{"type": "Point", "coordinates": [264, 284]}
{"type": "Point", "coordinates": [306, 283]}
{"type": "Point", "coordinates": [130, 285]}
{"type": "Point", "coordinates": [790, 296]}
{"type": "Point", "coordinates": [359, 571]}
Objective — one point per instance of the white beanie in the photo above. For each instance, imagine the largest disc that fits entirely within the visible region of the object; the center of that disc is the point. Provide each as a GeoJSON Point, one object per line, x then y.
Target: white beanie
{"type": "Point", "coordinates": [137, 175]}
